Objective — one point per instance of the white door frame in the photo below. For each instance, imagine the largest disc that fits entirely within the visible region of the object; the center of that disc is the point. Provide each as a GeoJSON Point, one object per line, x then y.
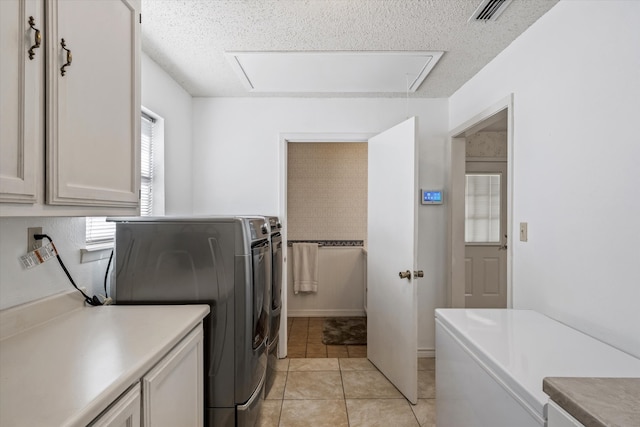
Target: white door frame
{"type": "Point", "coordinates": [455, 182]}
{"type": "Point", "coordinates": [284, 139]}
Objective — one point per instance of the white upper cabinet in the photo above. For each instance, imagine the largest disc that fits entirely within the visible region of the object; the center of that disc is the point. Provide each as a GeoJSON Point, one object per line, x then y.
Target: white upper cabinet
{"type": "Point", "coordinates": [93, 103]}
{"type": "Point", "coordinates": [21, 88]}
{"type": "Point", "coordinates": [85, 153]}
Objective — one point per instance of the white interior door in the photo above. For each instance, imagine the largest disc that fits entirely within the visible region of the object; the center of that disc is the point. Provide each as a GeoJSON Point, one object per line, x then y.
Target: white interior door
{"type": "Point", "coordinates": [392, 331]}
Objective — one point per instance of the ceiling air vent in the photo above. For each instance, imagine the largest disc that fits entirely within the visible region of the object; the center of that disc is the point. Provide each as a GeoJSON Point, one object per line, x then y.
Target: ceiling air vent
{"type": "Point", "coordinates": [489, 10]}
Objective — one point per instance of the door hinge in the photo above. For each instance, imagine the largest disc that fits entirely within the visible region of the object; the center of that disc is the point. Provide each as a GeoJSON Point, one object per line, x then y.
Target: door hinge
{"type": "Point", "coordinates": [140, 15]}
{"type": "Point", "coordinates": [140, 194]}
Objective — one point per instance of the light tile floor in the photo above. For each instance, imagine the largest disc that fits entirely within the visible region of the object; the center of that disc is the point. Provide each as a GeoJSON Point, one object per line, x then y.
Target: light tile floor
{"type": "Point", "coordinates": [340, 391]}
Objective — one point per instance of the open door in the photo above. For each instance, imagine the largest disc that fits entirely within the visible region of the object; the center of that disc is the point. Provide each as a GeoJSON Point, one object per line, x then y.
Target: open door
{"type": "Point", "coordinates": [392, 331]}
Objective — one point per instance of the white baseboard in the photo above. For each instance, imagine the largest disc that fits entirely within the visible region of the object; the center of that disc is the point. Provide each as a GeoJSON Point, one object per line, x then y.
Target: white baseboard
{"type": "Point", "coordinates": [426, 352]}
{"type": "Point", "coordinates": [327, 313]}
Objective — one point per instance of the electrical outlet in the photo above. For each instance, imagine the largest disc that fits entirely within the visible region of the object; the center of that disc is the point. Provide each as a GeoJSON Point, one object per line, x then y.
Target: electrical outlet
{"type": "Point", "coordinates": [31, 242]}
{"type": "Point", "coordinates": [523, 231]}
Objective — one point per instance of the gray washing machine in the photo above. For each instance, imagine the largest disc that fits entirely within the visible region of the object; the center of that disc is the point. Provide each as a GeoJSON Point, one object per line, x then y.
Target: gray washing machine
{"type": "Point", "coordinates": [221, 261]}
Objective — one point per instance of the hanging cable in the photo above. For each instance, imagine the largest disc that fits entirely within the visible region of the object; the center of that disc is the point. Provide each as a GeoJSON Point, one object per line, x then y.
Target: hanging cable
{"type": "Point", "coordinates": [89, 300]}
{"type": "Point", "coordinates": [106, 275]}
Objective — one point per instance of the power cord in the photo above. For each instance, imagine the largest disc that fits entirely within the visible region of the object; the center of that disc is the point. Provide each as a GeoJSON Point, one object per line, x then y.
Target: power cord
{"type": "Point", "coordinates": [94, 301]}
{"type": "Point", "coordinates": [106, 275]}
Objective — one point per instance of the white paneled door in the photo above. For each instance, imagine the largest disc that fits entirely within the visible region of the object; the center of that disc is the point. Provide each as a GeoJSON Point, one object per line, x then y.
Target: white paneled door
{"type": "Point", "coordinates": [392, 331]}
{"type": "Point", "coordinates": [485, 235]}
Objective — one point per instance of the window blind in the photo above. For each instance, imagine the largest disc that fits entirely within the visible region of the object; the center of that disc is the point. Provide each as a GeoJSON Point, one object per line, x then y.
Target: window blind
{"type": "Point", "coordinates": [146, 169]}
{"type": "Point", "coordinates": [99, 231]}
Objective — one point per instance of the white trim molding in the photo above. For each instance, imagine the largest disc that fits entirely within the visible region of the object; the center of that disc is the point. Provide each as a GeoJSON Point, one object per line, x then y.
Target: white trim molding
{"type": "Point", "coordinates": [455, 232]}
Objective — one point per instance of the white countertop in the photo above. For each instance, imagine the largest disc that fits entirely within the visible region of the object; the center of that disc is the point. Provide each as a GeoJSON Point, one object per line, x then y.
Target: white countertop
{"type": "Point", "coordinates": [522, 347]}
{"type": "Point", "coordinates": [66, 370]}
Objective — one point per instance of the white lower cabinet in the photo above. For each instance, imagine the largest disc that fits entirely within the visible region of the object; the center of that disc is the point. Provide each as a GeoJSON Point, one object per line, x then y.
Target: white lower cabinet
{"type": "Point", "coordinates": [558, 417]}
{"type": "Point", "coordinates": [173, 390]}
{"type": "Point", "coordinates": [124, 413]}
{"type": "Point", "coordinates": [170, 394]}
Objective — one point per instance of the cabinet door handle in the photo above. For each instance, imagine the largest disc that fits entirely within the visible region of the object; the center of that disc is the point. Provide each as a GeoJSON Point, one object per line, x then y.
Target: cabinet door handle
{"type": "Point", "coordinates": [37, 37]}
{"type": "Point", "coordinates": [69, 58]}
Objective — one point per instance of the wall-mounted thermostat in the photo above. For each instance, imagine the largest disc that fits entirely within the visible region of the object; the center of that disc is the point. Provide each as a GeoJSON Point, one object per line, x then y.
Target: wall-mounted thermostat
{"type": "Point", "coordinates": [431, 197]}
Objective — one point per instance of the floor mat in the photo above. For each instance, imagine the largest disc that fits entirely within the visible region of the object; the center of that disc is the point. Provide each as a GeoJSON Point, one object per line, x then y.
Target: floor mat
{"type": "Point", "coordinates": [344, 331]}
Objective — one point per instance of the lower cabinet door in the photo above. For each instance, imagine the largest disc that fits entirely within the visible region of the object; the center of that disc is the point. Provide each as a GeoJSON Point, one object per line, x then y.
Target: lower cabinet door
{"type": "Point", "coordinates": [125, 412]}
{"type": "Point", "coordinates": [558, 417]}
{"type": "Point", "coordinates": [173, 389]}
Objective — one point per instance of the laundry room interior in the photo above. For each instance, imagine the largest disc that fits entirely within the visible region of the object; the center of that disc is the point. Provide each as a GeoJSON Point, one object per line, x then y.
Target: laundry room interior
{"type": "Point", "coordinates": [323, 212]}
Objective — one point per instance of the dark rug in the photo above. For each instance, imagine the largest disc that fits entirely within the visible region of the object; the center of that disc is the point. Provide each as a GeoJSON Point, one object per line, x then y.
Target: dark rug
{"type": "Point", "coordinates": [344, 331]}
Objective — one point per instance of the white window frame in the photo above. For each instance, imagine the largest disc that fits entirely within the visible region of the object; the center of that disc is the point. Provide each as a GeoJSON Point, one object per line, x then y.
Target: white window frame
{"type": "Point", "coordinates": [158, 163]}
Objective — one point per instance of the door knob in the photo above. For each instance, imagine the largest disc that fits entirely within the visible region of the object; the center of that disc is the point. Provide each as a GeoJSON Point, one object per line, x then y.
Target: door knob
{"type": "Point", "coordinates": [418, 273]}
{"type": "Point", "coordinates": [405, 275]}
{"type": "Point", "coordinates": [503, 247]}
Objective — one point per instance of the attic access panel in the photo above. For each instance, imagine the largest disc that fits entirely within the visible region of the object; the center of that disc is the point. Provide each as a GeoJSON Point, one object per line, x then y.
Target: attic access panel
{"type": "Point", "coordinates": [333, 72]}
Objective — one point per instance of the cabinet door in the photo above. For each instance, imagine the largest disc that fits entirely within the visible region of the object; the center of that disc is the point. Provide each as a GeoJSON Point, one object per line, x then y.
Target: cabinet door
{"type": "Point", "coordinates": [20, 97]}
{"type": "Point", "coordinates": [93, 102]}
{"type": "Point", "coordinates": [125, 412]}
{"type": "Point", "coordinates": [173, 389]}
{"type": "Point", "coordinates": [558, 417]}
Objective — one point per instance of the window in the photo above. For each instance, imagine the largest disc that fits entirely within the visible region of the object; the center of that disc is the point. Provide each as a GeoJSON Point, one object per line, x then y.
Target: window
{"type": "Point", "coordinates": [146, 168]}
{"type": "Point", "coordinates": [99, 232]}
{"type": "Point", "coordinates": [482, 208]}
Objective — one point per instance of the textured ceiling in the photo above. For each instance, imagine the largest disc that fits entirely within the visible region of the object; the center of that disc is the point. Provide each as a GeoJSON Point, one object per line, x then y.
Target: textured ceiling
{"type": "Point", "coordinates": [188, 38]}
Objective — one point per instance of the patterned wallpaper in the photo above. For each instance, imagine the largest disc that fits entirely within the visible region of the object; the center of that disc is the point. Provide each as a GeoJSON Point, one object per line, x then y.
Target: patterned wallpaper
{"type": "Point", "coordinates": [327, 191]}
{"type": "Point", "coordinates": [487, 144]}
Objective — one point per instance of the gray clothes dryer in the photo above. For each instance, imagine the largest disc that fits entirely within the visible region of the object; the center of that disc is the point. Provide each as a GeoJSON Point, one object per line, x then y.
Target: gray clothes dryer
{"type": "Point", "coordinates": [223, 262]}
{"type": "Point", "coordinates": [275, 309]}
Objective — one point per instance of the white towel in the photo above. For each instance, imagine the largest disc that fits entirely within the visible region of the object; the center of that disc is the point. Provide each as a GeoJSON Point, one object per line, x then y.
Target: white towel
{"type": "Point", "coordinates": [305, 267]}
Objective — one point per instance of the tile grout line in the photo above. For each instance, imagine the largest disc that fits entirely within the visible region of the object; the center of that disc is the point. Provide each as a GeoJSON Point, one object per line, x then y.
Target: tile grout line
{"type": "Point", "coordinates": [344, 394]}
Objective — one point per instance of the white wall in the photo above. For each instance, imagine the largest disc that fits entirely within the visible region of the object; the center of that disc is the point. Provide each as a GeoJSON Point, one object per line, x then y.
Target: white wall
{"type": "Point", "coordinates": [575, 75]}
{"type": "Point", "coordinates": [18, 285]}
{"type": "Point", "coordinates": [162, 95]}
{"type": "Point", "coordinates": [236, 163]}
{"type": "Point", "coordinates": [341, 273]}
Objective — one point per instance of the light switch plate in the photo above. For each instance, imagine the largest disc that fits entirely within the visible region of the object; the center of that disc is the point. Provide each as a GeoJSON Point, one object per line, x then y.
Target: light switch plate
{"type": "Point", "coordinates": [523, 231]}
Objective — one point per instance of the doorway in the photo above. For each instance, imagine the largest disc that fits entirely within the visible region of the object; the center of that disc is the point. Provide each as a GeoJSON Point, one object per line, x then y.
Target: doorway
{"type": "Point", "coordinates": [327, 206]}
{"type": "Point", "coordinates": [480, 209]}
{"type": "Point", "coordinates": [296, 140]}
